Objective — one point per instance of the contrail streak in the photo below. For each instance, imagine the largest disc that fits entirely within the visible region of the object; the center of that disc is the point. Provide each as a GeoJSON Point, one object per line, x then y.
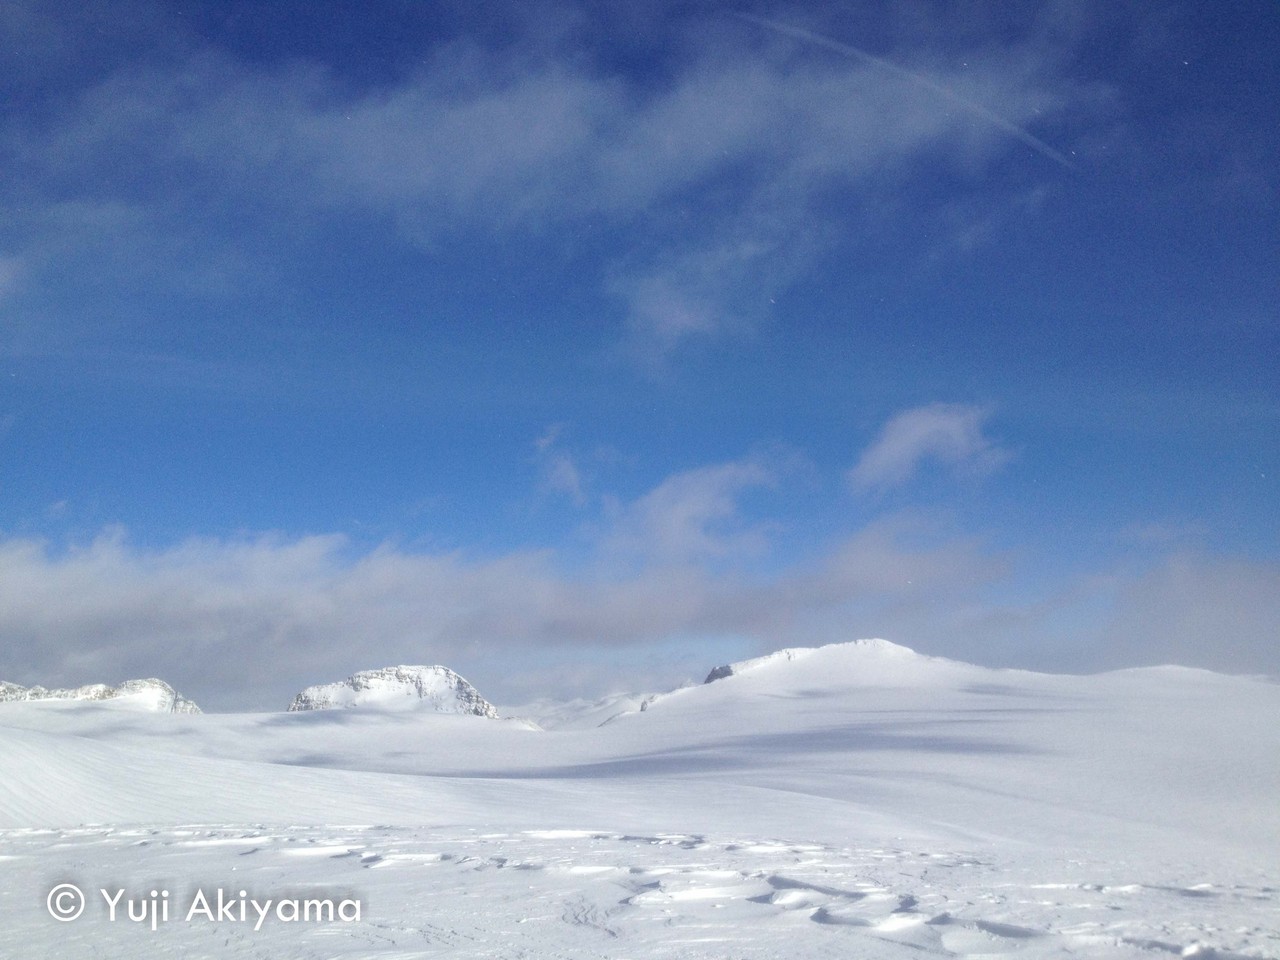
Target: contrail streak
{"type": "Point", "coordinates": [977, 109]}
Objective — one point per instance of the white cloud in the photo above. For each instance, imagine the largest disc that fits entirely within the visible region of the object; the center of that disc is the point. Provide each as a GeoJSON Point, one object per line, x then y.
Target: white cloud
{"type": "Point", "coordinates": [950, 433]}
{"type": "Point", "coordinates": [1222, 613]}
{"type": "Point", "coordinates": [249, 622]}
{"type": "Point", "coordinates": [744, 141]}
{"type": "Point", "coordinates": [715, 286]}
{"type": "Point", "coordinates": [902, 557]}
{"type": "Point", "coordinates": [561, 474]}
{"type": "Point", "coordinates": [695, 516]}
{"type": "Point", "coordinates": [560, 471]}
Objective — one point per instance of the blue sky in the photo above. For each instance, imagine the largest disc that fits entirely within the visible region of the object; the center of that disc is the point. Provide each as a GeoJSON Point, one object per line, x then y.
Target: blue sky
{"type": "Point", "coordinates": [581, 347]}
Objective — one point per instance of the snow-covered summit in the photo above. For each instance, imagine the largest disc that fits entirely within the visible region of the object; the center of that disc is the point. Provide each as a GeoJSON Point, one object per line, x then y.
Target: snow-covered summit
{"type": "Point", "coordinates": [742, 666]}
{"type": "Point", "coordinates": [404, 687]}
{"type": "Point", "coordinates": [150, 694]}
{"type": "Point", "coordinates": [834, 669]}
{"type": "Point", "coordinates": [854, 653]}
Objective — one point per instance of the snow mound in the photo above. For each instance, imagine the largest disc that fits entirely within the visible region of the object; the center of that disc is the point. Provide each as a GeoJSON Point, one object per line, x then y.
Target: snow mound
{"type": "Point", "coordinates": [151, 694]}
{"type": "Point", "coordinates": [404, 687]}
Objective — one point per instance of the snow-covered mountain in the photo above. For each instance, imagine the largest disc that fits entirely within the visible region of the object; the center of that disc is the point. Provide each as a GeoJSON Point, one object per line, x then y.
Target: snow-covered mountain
{"type": "Point", "coordinates": [853, 659]}
{"type": "Point", "coordinates": [433, 688]}
{"type": "Point", "coordinates": [150, 694]}
{"type": "Point", "coordinates": [742, 666]}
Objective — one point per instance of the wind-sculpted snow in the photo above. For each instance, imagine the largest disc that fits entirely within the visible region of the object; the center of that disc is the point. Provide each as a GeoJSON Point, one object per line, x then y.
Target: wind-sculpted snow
{"type": "Point", "coordinates": [590, 893]}
{"type": "Point", "coordinates": [433, 688]}
{"type": "Point", "coordinates": [151, 694]}
{"type": "Point", "coordinates": [857, 800]}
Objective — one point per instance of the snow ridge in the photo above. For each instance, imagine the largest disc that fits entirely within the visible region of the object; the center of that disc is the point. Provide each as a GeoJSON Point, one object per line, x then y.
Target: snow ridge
{"type": "Point", "coordinates": [416, 687]}
{"type": "Point", "coordinates": [154, 694]}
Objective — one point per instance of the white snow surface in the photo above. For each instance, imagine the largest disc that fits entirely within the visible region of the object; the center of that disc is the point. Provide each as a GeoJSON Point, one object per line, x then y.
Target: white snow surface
{"type": "Point", "coordinates": [577, 714]}
{"type": "Point", "coordinates": [856, 800]}
{"type": "Point", "coordinates": [404, 687]}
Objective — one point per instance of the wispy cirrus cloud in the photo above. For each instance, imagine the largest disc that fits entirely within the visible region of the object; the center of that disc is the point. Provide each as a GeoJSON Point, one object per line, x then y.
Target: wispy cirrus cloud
{"type": "Point", "coordinates": [745, 140]}
{"type": "Point", "coordinates": [949, 433]}
{"type": "Point", "coordinates": [10, 273]}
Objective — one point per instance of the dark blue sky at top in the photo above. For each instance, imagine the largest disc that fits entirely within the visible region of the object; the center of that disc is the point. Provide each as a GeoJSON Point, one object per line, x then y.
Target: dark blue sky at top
{"type": "Point", "coordinates": [487, 280]}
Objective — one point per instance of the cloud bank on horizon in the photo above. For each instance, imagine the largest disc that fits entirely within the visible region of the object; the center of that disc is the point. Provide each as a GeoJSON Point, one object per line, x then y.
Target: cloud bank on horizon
{"type": "Point", "coordinates": [566, 343]}
{"type": "Point", "coordinates": [672, 582]}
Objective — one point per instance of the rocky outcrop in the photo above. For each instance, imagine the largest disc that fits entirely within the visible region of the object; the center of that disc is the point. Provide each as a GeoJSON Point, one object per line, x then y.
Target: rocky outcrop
{"type": "Point", "coordinates": [433, 688]}
{"type": "Point", "coordinates": [150, 694]}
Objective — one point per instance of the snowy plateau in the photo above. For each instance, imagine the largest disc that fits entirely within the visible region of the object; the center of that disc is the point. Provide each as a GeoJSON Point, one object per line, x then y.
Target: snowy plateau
{"type": "Point", "coordinates": [857, 800]}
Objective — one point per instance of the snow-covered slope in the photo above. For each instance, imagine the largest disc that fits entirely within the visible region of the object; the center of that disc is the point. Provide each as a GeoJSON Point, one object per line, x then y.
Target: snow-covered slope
{"type": "Point", "coordinates": [578, 714]}
{"type": "Point", "coordinates": [405, 687]}
{"type": "Point", "coordinates": [151, 694]}
{"type": "Point", "coordinates": [851, 800]}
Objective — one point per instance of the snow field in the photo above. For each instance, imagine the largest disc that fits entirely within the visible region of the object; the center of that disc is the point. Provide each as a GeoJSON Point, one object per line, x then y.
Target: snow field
{"type": "Point", "coordinates": [585, 894]}
{"type": "Point", "coordinates": [854, 801]}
